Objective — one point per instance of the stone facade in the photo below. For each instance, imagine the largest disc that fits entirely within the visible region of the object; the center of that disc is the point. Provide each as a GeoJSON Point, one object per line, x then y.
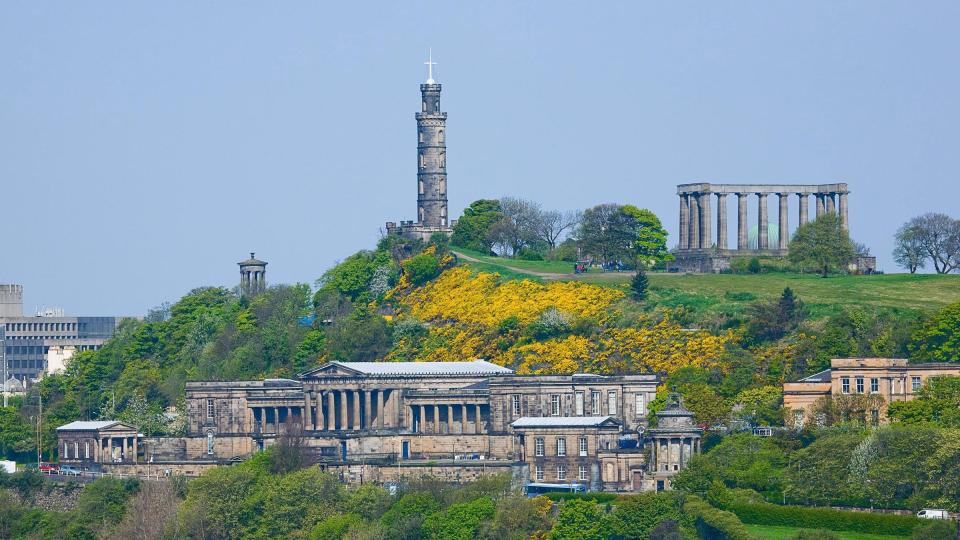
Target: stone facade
{"type": "Point", "coordinates": [91, 444]}
{"type": "Point", "coordinates": [892, 379]}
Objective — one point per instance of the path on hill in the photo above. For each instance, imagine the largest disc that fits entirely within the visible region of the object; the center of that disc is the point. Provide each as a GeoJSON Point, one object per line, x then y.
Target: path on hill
{"type": "Point", "coordinates": [544, 275]}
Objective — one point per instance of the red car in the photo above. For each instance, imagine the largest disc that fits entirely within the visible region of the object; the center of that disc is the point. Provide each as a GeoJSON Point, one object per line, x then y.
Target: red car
{"type": "Point", "coordinates": [49, 468]}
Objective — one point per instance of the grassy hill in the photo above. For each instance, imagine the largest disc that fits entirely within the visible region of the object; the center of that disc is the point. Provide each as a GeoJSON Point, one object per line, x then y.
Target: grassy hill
{"type": "Point", "coordinates": [731, 293]}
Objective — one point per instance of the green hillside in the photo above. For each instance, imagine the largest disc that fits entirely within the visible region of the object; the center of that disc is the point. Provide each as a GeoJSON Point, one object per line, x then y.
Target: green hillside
{"type": "Point", "coordinates": [731, 293]}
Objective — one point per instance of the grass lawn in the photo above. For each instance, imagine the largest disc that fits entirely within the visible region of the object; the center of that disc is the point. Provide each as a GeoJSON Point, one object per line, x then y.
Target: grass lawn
{"type": "Point", "coordinates": [772, 532]}
{"type": "Point", "coordinates": [731, 293]}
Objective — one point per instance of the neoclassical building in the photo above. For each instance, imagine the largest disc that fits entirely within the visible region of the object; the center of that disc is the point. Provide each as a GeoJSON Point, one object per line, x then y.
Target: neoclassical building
{"type": "Point", "coordinates": [382, 421]}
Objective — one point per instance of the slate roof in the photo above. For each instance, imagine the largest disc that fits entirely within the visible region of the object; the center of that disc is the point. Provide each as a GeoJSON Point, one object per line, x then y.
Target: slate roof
{"type": "Point", "coordinates": [562, 421]}
{"type": "Point", "coordinates": [89, 425]}
{"type": "Point", "coordinates": [475, 367]}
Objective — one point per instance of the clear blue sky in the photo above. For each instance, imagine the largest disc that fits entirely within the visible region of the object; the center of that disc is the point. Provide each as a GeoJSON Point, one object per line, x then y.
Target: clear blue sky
{"type": "Point", "coordinates": [147, 147]}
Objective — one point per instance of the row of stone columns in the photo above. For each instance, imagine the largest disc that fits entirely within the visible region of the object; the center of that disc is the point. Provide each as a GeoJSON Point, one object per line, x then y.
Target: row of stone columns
{"type": "Point", "coordinates": [125, 444]}
{"type": "Point", "coordinates": [679, 450]}
{"type": "Point", "coordinates": [426, 418]}
{"type": "Point", "coordinates": [253, 281]}
{"type": "Point", "coordinates": [695, 218]}
{"type": "Point", "coordinates": [346, 409]}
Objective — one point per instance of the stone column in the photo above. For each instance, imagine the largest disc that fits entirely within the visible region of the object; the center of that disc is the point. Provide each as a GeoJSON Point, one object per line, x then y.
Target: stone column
{"type": "Point", "coordinates": [694, 236]}
{"type": "Point", "coordinates": [722, 220]}
{"type": "Point", "coordinates": [410, 415]}
{"type": "Point", "coordinates": [784, 223]}
{"type": "Point", "coordinates": [449, 418]}
{"type": "Point", "coordinates": [684, 221]}
{"type": "Point", "coordinates": [331, 410]}
{"type": "Point", "coordinates": [831, 204]}
{"type": "Point", "coordinates": [706, 237]}
{"type": "Point", "coordinates": [356, 409]}
{"type": "Point", "coordinates": [276, 420]}
{"type": "Point", "coordinates": [820, 207]}
{"type": "Point", "coordinates": [802, 198]}
{"type": "Point", "coordinates": [742, 220]}
{"type": "Point", "coordinates": [109, 450]}
{"type": "Point", "coordinates": [381, 395]}
{"type": "Point", "coordinates": [463, 418]}
{"type": "Point", "coordinates": [844, 209]}
{"type": "Point", "coordinates": [367, 409]}
{"type": "Point", "coordinates": [762, 220]}
{"type": "Point", "coordinates": [436, 418]}
{"type": "Point", "coordinates": [343, 409]}
{"type": "Point", "coordinates": [319, 420]}
{"type": "Point", "coordinates": [479, 420]}
{"type": "Point", "coordinates": [135, 448]}
{"type": "Point", "coordinates": [307, 420]}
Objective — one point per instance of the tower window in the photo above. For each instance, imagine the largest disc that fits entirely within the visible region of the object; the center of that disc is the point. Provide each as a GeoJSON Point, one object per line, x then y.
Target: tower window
{"type": "Point", "coordinates": [440, 136]}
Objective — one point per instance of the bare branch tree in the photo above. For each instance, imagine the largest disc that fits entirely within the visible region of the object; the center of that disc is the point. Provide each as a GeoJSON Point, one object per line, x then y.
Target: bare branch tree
{"type": "Point", "coordinates": [909, 252]}
{"type": "Point", "coordinates": [553, 223]}
{"type": "Point", "coordinates": [939, 237]}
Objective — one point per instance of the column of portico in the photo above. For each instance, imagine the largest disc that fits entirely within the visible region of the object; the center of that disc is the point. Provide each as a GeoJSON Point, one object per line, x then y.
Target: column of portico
{"type": "Point", "coordinates": [706, 236]}
{"type": "Point", "coordinates": [684, 221]}
{"type": "Point", "coordinates": [367, 409]}
{"type": "Point", "coordinates": [381, 395]}
{"type": "Point", "coordinates": [356, 409]}
{"type": "Point", "coordinates": [463, 418]}
{"type": "Point", "coordinates": [762, 221]}
{"type": "Point", "coordinates": [449, 418]}
{"type": "Point", "coordinates": [820, 204]}
{"type": "Point", "coordinates": [109, 450]}
{"type": "Point", "coordinates": [331, 411]}
{"type": "Point", "coordinates": [804, 203]}
{"type": "Point", "coordinates": [843, 209]}
{"type": "Point", "coordinates": [436, 418]}
{"type": "Point", "coordinates": [831, 204]}
{"type": "Point", "coordinates": [276, 420]}
{"type": "Point", "coordinates": [694, 233]}
{"type": "Point", "coordinates": [742, 220]}
{"type": "Point", "coordinates": [479, 420]}
{"type": "Point", "coordinates": [135, 448]}
{"type": "Point", "coordinates": [307, 419]}
{"type": "Point", "coordinates": [784, 224]}
{"type": "Point", "coordinates": [319, 421]}
{"type": "Point", "coordinates": [722, 220]}
{"type": "Point", "coordinates": [343, 409]}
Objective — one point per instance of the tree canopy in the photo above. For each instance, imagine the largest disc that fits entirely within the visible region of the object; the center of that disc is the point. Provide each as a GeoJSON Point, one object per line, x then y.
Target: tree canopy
{"type": "Point", "coordinates": [822, 245]}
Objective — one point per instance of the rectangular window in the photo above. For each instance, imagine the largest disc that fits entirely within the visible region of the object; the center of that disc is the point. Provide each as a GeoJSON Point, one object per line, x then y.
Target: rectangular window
{"type": "Point", "coordinates": [583, 446]}
{"type": "Point", "coordinates": [875, 417]}
{"type": "Point", "coordinates": [516, 405]}
{"type": "Point", "coordinates": [641, 409]}
{"type": "Point", "coordinates": [595, 403]}
{"type": "Point", "coordinates": [66, 450]}
{"type": "Point", "coordinates": [845, 385]}
{"type": "Point", "coordinates": [561, 446]}
{"type": "Point", "coordinates": [579, 403]}
{"type": "Point", "coordinates": [859, 385]}
{"type": "Point", "coordinates": [874, 385]}
{"type": "Point", "coordinates": [539, 473]}
{"type": "Point", "coordinates": [915, 381]}
{"type": "Point", "coordinates": [555, 405]}
{"type": "Point", "coordinates": [612, 403]}
{"type": "Point", "coordinates": [538, 446]}
{"type": "Point", "coordinates": [582, 472]}
{"type": "Point", "coordinates": [86, 450]}
{"type": "Point", "coordinates": [76, 450]}
{"type": "Point", "coordinates": [209, 408]}
{"type": "Point", "coordinates": [561, 472]}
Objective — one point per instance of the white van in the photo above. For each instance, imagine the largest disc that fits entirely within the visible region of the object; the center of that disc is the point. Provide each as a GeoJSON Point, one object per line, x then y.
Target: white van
{"type": "Point", "coordinates": [928, 513]}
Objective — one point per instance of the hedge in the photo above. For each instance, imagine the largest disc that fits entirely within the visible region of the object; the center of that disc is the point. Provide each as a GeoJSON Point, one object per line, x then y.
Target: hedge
{"type": "Point", "coordinates": [713, 523]}
{"type": "Point", "coordinates": [595, 497]}
{"type": "Point", "coordinates": [824, 518]}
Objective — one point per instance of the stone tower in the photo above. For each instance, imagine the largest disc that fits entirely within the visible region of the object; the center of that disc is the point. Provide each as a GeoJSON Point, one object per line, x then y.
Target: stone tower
{"type": "Point", "coordinates": [11, 300]}
{"type": "Point", "coordinates": [253, 276]}
{"type": "Point", "coordinates": [431, 156]}
{"type": "Point", "coordinates": [675, 441]}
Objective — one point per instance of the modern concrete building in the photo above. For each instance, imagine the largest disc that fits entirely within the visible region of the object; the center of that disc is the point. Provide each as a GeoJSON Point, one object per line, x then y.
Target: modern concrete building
{"type": "Point", "coordinates": [432, 213]}
{"type": "Point", "coordinates": [27, 342]}
{"type": "Point", "coordinates": [381, 421]}
{"type": "Point", "coordinates": [890, 379]}
{"type": "Point", "coordinates": [700, 249]}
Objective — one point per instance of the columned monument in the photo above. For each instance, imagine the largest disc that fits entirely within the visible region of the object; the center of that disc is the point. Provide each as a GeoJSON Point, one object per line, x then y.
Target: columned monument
{"type": "Point", "coordinates": [432, 216]}
{"type": "Point", "coordinates": [699, 250]}
{"type": "Point", "coordinates": [253, 276]}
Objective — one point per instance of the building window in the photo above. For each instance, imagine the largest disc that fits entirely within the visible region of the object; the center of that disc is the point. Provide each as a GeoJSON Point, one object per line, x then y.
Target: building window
{"type": "Point", "coordinates": [561, 447]}
{"type": "Point", "coordinates": [561, 472]}
{"type": "Point", "coordinates": [579, 403]}
{"type": "Point", "coordinates": [641, 410]}
{"type": "Point", "coordinates": [874, 385]}
{"type": "Point", "coordinates": [845, 385]}
{"type": "Point", "coordinates": [66, 450]}
{"type": "Point", "coordinates": [209, 408]}
{"type": "Point", "coordinates": [915, 381]}
{"type": "Point", "coordinates": [76, 450]}
{"type": "Point", "coordinates": [538, 446]}
{"type": "Point", "coordinates": [583, 446]}
{"type": "Point", "coordinates": [86, 449]}
{"type": "Point", "coordinates": [859, 385]}
{"type": "Point", "coordinates": [582, 472]}
{"type": "Point", "coordinates": [516, 405]}
{"type": "Point", "coordinates": [210, 443]}
{"type": "Point", "coordinates": [595, 403]}
{"type": "Point", "coordinates": [539, 473]}
{"type": "Point", "coordinates": [875, 417]}
{"type": "Point", "coordinates": [555, 405]}
{"type": "Point", "coordinates": [612, 403]}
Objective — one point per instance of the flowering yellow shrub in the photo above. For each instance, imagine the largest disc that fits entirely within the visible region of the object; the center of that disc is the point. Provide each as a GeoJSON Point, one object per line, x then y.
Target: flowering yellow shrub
{"type": "Point", "coordinates": [459, 295]}
{"type": "Point", "coordinates": [565, 356]}
{"type": "Point", "coordinates": [662, 348]}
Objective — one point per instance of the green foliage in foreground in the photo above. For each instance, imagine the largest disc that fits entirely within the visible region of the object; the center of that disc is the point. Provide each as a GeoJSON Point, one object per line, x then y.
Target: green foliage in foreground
{"type": "Point", "coordinates": [773, 532]}
{"type": "Point", "coordinates": [834, 520]}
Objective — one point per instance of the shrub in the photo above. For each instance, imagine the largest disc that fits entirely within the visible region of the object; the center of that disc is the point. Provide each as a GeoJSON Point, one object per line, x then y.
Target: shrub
{"type": "Point", "coordinates": [816, 534]}
{"type": "Point", "coordinates": [422, 268]}
{"type": "Point", "coordinates": [754, 266]}
{"type": "Point", "coordinates": [460, 521]}
{"type": "Point", "coordinates": [715, 524]}
{"type": "Point", "coordinates": [834, 520]}
{"type": "Point", "coordinates": [567, 496]}
{"type": "Point", "coordinates": [935, 530]}
{"type": "Point", "coordinates": [639, 285]}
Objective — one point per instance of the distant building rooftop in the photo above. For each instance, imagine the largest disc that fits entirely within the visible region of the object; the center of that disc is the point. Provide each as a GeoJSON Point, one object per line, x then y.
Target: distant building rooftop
{"type": "Point", "coordinates": [475, 367]}
{"type": "Point", "coordinates": [562, 421]}
{"type": "Point", "coordinates": [89, 425]}
{"type": "Point", "coordinates": [823, 376]}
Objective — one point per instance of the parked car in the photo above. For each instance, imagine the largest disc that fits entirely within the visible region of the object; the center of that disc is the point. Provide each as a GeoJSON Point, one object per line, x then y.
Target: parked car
{"type": "Point", "coordinates": [932, 513]}
{"type": "Point", "coordinates": [49, 468]}
{"type": "Point", "coordinates": [70, 470]}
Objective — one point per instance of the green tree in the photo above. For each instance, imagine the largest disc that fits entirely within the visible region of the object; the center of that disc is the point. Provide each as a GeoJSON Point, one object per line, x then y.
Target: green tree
{"type": "Point", "coordinates": [579, 519]}
{"type": "Point", "coordinates": [770, 321]}
{"type": "Point", "coordinates": [639, 284]}
{"type": "Point", "coordinates": [739, 461]}
{"type": "Point", "coordinates": [607, 233]}
{"type": "Point", "coordinates": [650, 242]}
{"type": "Point", "coordinates": [472, 230]}
{"type": "Point", "coordinates": [938, 339]}
{"type": "Point", "coordinates": [937, 401]}
{"type": "Point", "coordinates": [422, 268]}
{"type": "Point", "coordinates": [518, 518]}
{"type": "Point", "coordinates": [460, 521]}
{"type": "Point", "coordinates": [359, 338]}
{"type": "Point", "coordinates": [822, 244]}
{"type": "Point", "coordinates": [638, 516]}
{"type": "Point", "coordinates": [406, 516]}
